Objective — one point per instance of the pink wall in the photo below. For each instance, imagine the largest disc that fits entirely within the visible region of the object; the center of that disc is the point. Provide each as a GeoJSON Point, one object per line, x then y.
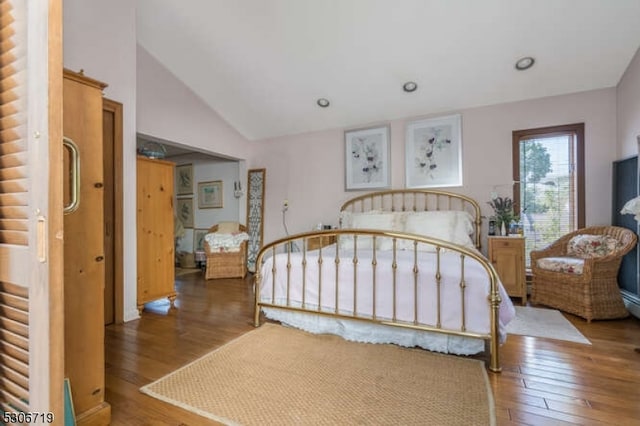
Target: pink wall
{"type": "Point", "coordinates": [100, 38]}
{"type": "Point", "coordinates": [628, 93]}
{"type": "Point", "coordinates": [169, 110]}
{"type": "Point", "coordinates": [308, 170]}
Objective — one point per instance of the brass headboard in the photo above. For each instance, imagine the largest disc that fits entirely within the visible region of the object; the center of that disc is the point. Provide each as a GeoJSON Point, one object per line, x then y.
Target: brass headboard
{"type": "Point", "coordinates": [400, 200]}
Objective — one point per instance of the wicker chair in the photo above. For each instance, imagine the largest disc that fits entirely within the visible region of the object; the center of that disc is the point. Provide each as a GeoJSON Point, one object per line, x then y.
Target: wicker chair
{"type": "Point", "coordinates": [226, 264]}
{"type": "Point", "coordinates": [592, 294]}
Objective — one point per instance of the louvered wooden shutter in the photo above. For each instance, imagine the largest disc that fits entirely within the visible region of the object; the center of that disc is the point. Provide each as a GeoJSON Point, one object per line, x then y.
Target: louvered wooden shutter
{"type": "Point", "coordinates": [14, 301]}
{"type": "Point", "coordinates": [13, 157]}
{"type": "Point", "coordinates": [31, 321]}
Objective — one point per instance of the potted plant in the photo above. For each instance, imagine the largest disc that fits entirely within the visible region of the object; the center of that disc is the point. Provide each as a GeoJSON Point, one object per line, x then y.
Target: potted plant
{"type": "Point", "coordinates": [503, 213]}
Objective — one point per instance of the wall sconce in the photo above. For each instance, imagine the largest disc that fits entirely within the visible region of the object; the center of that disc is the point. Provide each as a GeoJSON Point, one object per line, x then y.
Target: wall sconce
{"type": "Point", "coordinates": [237, 189]}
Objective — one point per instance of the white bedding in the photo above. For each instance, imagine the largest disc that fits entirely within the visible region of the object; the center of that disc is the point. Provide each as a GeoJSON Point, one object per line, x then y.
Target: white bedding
{"type": "Point", "coordinates": [477, 315]}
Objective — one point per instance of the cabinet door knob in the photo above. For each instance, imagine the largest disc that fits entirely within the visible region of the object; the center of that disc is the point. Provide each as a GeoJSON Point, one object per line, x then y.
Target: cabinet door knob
{"type": "Point", "coordinates": [99, 258]}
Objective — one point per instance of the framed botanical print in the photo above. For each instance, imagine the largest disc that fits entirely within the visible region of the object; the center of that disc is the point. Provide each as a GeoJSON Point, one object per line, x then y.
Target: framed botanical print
{"type": "Point", "coordinates": [367, 164]}
{"type": "Point", "coordinates": [184, 179]}
{"type": "Point", "coordinates": [198, 239]}
{"type": "Point", "coordinates": [184, 211]}
{"type": "Point", "coordinates": [434, 152]}
{"type": "Point", "coordinates": [210, 195]}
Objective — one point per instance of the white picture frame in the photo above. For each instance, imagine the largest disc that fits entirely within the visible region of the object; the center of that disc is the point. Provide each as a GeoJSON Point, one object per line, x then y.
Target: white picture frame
{"type": "Point", "coordinates": [433, 152]}
{"type": "Point", "coordinates": [367, 158]}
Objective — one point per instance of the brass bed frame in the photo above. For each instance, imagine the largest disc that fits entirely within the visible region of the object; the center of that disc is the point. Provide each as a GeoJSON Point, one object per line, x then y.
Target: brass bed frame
{"type": "Point", "coordinates": [404, 200]}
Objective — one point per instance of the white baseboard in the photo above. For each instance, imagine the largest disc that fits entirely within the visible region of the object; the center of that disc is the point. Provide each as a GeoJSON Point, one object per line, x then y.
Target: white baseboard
{"type": "Point", "coordinates": [632, 302]}
{"type": "Point", "coordinates": [131, 315]}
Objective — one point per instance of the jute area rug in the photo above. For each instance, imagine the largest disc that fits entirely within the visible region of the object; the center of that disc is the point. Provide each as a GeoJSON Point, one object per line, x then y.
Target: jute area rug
{"type": "Point", "coordinates": [276, 375]}
{"type": "Point", "coordinates": [548, 323]}
{"type": "Point", "coordinates": [179, 272]}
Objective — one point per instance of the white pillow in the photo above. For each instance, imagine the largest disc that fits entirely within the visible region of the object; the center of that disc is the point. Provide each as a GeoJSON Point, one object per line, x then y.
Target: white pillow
{"type": "Point", "coordinates": [448, 225]}
{"type": "Point", "coordinates": [345, 219]}
{"type": "Point", "coordinates": [434, 224]}
{"type": "Point", "coordinates": [228, 227]}
{"type": "Point", "coordinates": [386, 243]}
{"type": "Point", "coordinates": [463, 229]}
{"type": "Point", "coordinates": [368, 220]}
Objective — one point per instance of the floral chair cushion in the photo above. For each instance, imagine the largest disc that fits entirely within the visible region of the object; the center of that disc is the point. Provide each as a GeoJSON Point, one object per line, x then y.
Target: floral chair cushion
{"type": "Point", "coordinates": [225, 243]}
{"type": "Point", "coordinates": [589, 246]}
{"type": "Point", "coordinates": [566, 265]}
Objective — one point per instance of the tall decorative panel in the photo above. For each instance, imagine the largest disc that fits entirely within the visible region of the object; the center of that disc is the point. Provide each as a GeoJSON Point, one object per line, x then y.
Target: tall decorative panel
{"type": "Point", "coordinates": [255, 213]}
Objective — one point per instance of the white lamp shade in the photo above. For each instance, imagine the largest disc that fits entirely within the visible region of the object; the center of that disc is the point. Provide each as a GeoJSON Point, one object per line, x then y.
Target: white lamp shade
{"type": "Point", "coordinates": [632, 207]}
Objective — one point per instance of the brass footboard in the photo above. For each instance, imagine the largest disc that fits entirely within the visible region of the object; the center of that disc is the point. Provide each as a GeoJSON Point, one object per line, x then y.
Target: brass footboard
{"type": "Point", "coordinates": [404, 285]}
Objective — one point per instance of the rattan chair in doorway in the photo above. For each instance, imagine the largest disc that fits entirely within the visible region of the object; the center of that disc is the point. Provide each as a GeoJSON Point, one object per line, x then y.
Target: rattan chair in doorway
{"type": "Point", "coordinates": [226, 264]}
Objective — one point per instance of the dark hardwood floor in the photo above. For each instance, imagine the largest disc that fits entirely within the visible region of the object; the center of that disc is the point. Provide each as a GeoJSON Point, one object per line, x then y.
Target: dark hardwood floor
{"type": "Point", "coordinates": [544, 382]}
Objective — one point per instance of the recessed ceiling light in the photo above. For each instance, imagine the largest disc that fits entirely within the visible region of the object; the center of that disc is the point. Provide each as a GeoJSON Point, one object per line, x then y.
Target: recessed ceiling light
{"type": "Point", "coordinates": [322, 102]}
{"type": "Point", "coordinates": [525, 63]}
{"type": "Point", "coordinates": [410, 86]}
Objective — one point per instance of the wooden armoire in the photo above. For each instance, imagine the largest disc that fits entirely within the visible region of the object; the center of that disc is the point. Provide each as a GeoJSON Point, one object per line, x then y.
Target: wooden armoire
{"type": "Point", "coordinates": [84, 269]}
{"type": "Point", "coordinates": [155, 225]}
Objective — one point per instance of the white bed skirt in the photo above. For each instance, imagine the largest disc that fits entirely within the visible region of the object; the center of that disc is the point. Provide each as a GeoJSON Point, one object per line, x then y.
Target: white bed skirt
{"type": "Point", "coordinates": [361, 331]}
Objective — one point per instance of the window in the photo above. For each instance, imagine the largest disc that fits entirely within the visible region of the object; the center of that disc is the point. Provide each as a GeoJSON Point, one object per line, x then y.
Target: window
{"type": "Point", "coordinates": [548, 171]}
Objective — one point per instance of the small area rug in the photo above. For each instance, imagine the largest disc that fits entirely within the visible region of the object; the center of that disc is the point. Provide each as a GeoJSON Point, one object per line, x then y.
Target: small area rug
{"type": "Point", "coordinates": [186, 271]}
{"type": "Point", "coordinates": [276, 375]}
{"type": "Point", "coordinates": [548, 323]}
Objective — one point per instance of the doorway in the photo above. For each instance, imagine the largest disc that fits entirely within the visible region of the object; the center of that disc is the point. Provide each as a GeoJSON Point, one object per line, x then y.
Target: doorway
{"type": "Point", "coordinates": [112, 163]}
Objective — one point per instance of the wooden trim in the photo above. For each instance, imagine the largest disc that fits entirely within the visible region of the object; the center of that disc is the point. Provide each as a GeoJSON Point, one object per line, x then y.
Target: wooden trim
{"type": "Point", "coordinates": [81, 78]}
{"type": "Point", "coordinates": [118, 231]}
{"type": "Point", "coordinates": [579, 129]}
{"type": "Point", "coordinates": [56, 220]}
{"type": "Point", "coordinates": [550, 131]}
{"type": "Point", "coordinates": [100, 415]}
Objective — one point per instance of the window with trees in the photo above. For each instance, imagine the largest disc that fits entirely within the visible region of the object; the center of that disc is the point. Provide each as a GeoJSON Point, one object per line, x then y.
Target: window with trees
{"type": "Point", "coordinates": [548, 171]}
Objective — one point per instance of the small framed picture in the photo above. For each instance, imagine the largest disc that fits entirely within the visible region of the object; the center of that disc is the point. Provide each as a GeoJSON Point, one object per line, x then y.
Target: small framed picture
{"type": "Point", "coordinates": [198, 239]}
{"type": "Point", "coordinates": [210, 195]}
{"type": "Point", "coordinates": [434, 152]}
{"type": "Point", "coordinates": [367, 164]}
{"type": "Point", "coordinates": [184, 179]}
{"type": "Point", "coordinates": [184, 211]}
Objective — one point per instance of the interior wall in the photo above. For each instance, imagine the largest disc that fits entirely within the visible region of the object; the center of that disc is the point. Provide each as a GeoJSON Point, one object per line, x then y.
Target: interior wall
{"type": "Point", "coordinates": [100, 38]}
{"type": "Point", "coordinates": [308, 170]}
{"type": "Point", "coordinates": [169, 110]}
{"type": "Point", "coordinates": [628, 95]}
{"type": "Point", "coordinates": [206, 170]}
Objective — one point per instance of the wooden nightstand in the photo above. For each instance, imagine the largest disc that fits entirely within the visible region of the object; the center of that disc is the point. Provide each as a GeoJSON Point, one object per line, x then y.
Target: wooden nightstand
{"type": "Point", "coordinates": [506, 254]}
{"type": "Point", "coordinates": [317, 242]}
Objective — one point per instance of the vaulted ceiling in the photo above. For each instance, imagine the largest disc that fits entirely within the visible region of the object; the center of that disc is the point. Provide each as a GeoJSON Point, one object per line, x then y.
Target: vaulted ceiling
{"type": "Point", "coordinates": [262, 64]}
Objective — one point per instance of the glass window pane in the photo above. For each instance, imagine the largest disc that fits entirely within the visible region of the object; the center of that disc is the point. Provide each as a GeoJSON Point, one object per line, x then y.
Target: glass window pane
{"type": "Point", "coordinates": [547, 189]}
